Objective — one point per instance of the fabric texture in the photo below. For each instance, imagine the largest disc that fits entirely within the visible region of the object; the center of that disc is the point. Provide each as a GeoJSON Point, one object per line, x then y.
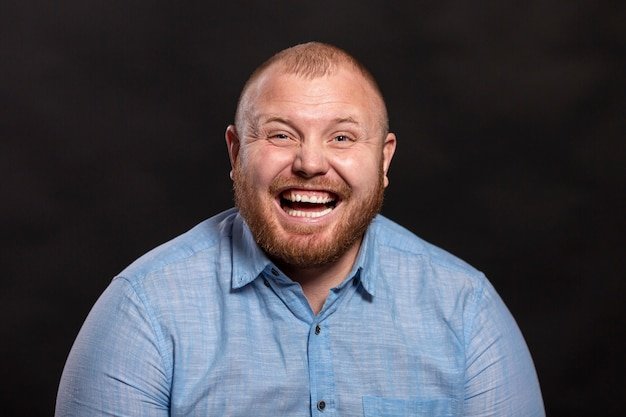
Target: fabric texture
{"type": "Point", "coordinates": [207, 325]}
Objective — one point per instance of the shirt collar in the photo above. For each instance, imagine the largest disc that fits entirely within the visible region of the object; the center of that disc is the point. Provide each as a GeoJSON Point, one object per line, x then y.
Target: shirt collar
{"type": "Point", "coordinates": [367, 265]}
{"type": "Point", "coordinates": [249, 260]}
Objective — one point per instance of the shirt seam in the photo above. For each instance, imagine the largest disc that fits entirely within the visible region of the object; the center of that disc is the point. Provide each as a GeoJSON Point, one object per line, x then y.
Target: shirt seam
{"type": "Point", "coordinates": [160, 339]}
{"type": "Point", "coordinates": [467, 269]}
{"type": "Point", "coordinates": [173, 259]}
{"type": "Point", "coordinates": [476, 300]}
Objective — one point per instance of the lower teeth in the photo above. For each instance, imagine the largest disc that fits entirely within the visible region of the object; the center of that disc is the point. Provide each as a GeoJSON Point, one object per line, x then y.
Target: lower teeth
{"type": "Point", "coordinates": [309, 214]}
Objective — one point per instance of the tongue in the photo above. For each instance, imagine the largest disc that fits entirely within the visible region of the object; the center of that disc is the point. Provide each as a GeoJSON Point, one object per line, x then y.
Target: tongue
{"type": "Point", "coordinates": [307, 206]}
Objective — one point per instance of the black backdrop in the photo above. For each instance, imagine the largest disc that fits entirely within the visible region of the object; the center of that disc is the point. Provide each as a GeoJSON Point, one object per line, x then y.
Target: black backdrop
{"type": "Point", "coordinates": [510, 119]}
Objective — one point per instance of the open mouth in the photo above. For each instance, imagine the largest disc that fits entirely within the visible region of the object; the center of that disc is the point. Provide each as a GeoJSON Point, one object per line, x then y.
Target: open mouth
{"type": "Point", "coordinates": [309, 204]}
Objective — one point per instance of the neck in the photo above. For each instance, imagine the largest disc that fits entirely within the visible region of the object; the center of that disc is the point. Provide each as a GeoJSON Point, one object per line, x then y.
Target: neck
{"type": "Point", "coordinates": [317, 281]}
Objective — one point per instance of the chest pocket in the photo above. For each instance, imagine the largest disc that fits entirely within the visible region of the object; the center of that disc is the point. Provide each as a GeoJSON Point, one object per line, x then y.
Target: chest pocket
{"type": "Point", "coordinates": [393, 407]}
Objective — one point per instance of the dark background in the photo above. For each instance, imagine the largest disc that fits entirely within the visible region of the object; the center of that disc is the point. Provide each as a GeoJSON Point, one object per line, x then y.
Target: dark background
{"type": "Point", "coordinates": [510, 123]}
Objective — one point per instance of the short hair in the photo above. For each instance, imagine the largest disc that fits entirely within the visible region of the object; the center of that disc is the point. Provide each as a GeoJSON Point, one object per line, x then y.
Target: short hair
{"type": "Point", "coordinates": [312, 60]}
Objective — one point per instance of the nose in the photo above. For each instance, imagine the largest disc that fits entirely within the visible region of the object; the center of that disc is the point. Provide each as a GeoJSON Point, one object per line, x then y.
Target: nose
{"type": "Point", "coordinates": [310, 160]}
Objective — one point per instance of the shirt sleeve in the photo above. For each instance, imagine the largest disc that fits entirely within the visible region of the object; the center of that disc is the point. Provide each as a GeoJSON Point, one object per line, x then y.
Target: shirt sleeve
{"type": "Point", "coordinates": [500, 375]}
{"type": "Point", "coordinates": [115, 367]}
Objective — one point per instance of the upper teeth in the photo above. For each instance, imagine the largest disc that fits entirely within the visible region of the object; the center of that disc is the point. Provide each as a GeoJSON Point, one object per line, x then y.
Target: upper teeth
{"type": "Point", "coordinates": [308, 199]}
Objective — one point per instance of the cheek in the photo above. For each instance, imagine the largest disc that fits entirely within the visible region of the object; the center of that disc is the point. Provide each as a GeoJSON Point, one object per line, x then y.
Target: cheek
{"type": "Point", "coordinates": [359, 170]}
{"type": "Point", "coordinates": [262, 166]}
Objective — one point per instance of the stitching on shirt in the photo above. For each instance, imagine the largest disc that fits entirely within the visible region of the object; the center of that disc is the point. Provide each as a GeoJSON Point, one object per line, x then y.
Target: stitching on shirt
{"type": "Point", "coordinates": [419, 247]}
{"type": "Point", "coordinates": [473, 310]}
{"type": "Point", "coordinates": [204, 237]}
{"type": "Point", "coordinates": [478, 295]}
{"type": "Point", "coordinates": [160, 338]}
{"type": "Point", "coordinates": [458, 267]}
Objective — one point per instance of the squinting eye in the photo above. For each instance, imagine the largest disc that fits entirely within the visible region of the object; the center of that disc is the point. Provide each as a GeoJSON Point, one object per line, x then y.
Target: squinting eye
{"type": "Point", "coordinates": [341, 138]}
{"type": "Point", "coordinates": [280, 136]}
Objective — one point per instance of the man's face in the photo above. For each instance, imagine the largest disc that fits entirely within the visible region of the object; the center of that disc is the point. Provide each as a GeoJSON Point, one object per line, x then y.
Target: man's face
{"type": "Point", "coordinates": [310, 163]}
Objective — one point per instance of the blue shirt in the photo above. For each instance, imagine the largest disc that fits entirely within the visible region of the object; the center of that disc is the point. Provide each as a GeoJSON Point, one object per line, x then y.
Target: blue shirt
{"type": "Point", "coordinates": [207, 325]}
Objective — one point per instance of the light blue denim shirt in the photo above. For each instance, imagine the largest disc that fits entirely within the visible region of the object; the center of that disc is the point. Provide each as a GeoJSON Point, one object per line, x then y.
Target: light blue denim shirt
{"type": "Point", "coordinates": [207, 325]}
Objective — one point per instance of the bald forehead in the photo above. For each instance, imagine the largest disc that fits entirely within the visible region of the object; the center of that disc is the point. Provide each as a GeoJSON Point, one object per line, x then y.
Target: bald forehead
{"type": "Point", "coordinates": [260, 79]}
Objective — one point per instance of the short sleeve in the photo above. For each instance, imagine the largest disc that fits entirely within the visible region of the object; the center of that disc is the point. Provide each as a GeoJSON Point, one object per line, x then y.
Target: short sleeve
{"type": "Point", "coordinates": [500, 375]}
{"type": "Point", "coordinates": [115, 367]}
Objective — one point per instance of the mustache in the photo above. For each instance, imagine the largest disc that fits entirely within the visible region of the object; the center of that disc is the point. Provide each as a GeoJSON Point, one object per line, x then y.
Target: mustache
{"type": "Point", "coordinates": [339, 188]}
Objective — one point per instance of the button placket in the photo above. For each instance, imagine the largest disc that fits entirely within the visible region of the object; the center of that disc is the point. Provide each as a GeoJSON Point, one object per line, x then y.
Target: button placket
{"type": "Point", "coordinates": [321, 374]}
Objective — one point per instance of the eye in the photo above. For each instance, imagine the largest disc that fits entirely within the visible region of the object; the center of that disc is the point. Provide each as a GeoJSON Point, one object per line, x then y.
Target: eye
{"type": "Point", "coordinates": [343, 140]}
{"type": "Point", "coordinates": [279, 136]}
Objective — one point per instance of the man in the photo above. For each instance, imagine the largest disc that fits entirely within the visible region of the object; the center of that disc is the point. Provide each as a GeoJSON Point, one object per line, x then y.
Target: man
{"type": "Point", "coordinates": [302, 301]}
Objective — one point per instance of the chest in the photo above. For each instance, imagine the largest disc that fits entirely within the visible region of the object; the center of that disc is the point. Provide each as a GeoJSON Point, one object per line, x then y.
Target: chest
{"type": "Point", "coordinates": [365, 358]}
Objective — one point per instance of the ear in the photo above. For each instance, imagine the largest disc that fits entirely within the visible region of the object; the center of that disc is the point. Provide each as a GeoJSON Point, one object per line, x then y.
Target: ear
{"type": "Point", "coordinates": [233, 144]}
{"type": "Point", "coordinates": [389, 148]}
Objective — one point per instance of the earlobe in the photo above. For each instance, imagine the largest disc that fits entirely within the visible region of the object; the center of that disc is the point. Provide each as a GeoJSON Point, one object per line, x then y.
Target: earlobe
{"type": "Point", "coordinates": [232, 143]}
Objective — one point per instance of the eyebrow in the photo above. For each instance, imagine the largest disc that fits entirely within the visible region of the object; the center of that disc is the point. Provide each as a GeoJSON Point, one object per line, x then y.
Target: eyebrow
{"type": "Point", "coordinates": [279, 119]}
{"type": "Point", "coordinates": [262, 119]}
{"type": "Point", "coordinates": [348, 119]}
{"type": "Point", "coordinates": [270, 119]}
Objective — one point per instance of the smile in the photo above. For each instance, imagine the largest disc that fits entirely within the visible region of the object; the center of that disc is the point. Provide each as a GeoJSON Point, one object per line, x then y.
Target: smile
{"type": "Point", "coordinates": [308, 204]}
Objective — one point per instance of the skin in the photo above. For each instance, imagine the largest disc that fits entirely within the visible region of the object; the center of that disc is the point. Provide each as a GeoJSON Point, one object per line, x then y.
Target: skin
{"type": "Point", "coordinates": [321, 138]}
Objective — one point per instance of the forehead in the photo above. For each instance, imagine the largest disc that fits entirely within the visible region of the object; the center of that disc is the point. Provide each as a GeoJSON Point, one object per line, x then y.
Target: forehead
{"type": "Point", "coordinates": [344, 93]}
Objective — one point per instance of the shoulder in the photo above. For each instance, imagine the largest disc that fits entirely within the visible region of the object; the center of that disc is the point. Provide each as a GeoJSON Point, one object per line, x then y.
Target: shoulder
{"type": "Point", "coordinates": [186, 251]}
{"type": "Point", "coordinates": [418, 272]}
{"type": "Point", "coordinates": [431, 283]}
{"type": "Point", "coordinates": [397, 241]}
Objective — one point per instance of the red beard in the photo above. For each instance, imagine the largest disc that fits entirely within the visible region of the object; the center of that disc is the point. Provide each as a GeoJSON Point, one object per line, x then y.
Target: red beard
{"type": "Point", "coordinates": [305, 247]}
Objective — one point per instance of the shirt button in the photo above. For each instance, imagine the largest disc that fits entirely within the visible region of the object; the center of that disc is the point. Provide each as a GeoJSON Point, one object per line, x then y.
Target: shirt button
{"type": "Point", "coordinates": [321, 405]}
{"type": "Point", "coordinates": [318, 329]}
{"type": "Point", "coordinates": [266, 282]}
{"type": "Point", "coordinates": [274, 272]}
